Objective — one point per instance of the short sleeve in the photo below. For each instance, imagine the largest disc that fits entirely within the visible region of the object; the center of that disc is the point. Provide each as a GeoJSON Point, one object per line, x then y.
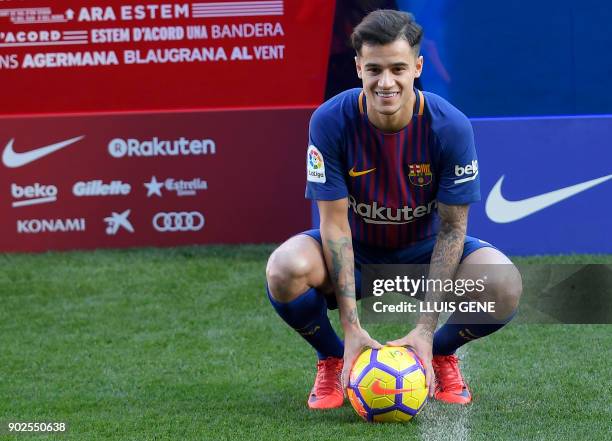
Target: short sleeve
{"type": "Point", "coordinates": [459, 179]}
{"type": "Point", "coordinates": [325, 179]}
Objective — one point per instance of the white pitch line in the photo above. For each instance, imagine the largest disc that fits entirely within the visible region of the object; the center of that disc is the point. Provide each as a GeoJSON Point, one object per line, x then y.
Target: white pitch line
{"type": "Point", "coordinates": [447, 422]}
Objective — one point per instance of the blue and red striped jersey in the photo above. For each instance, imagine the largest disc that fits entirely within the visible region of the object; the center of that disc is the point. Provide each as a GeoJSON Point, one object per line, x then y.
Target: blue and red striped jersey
{"type": "Point", "coordinates": [393, 181]}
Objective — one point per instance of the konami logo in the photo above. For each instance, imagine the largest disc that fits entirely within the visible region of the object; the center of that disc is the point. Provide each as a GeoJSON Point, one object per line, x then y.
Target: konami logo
{"type": "Point", "coordinates": [35, 226]}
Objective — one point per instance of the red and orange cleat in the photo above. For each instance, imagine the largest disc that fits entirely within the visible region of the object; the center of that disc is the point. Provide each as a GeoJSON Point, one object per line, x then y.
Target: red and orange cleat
{"type": "Point", "coordinates": [450, 385]}
{"type": "Point", "coordinates": [327, 390]}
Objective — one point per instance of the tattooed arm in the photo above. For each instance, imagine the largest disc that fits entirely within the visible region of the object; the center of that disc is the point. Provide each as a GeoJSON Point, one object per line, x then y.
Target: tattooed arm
{"type": "Point", "coordinates": [445, 257]}
{"type": "Point", "coordinates": [339, 257]}
{"type": "Point", "coordinates": [443, 266]}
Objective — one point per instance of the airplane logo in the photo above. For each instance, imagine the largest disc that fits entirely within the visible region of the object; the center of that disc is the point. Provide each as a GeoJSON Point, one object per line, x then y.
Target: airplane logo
{"type": "Point", "coordinates": [116, 221]}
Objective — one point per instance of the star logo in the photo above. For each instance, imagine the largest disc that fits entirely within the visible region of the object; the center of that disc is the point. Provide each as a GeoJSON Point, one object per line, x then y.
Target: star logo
{"type": "Point", "coordinates": [154, 187]}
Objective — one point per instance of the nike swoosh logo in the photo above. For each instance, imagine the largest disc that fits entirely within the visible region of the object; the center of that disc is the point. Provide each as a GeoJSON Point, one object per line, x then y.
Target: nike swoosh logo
{"type": "Point", "coordinates": [354, 173]}
{"type": "Point", "coordinates": [12, 159]}
{"type": "Point", "coordinates": [503, 211]}
{"type": "Point", "coordinates": [379, 390]}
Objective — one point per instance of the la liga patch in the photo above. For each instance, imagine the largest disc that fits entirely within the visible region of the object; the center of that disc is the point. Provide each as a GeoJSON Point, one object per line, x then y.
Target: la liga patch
{"type": "Point", "coordinates": [315, 166]}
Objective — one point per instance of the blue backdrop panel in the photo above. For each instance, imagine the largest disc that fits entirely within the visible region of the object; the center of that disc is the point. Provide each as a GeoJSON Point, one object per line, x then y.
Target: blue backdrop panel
{"type": "Point", "coordinates": [538, 156]}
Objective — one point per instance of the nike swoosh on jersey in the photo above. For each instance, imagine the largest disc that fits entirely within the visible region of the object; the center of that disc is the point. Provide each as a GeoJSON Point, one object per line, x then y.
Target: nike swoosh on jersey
{"type": "Point", "coordinates": [354, 173]}
{"type": "Point", "coordinates": [501, 210]}
{"type": "Point", "coordinates": [12, 159]}
{"type": "Point", "coordinates": [379, 390]}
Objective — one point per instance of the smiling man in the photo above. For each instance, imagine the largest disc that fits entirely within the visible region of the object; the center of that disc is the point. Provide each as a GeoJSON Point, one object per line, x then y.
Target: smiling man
{"type": "Point", "coordinates": [393, 170]}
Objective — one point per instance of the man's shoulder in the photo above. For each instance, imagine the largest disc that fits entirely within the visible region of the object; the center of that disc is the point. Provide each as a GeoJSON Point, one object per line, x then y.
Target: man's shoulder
{"type": "Point", "coordinates": [334, 113]}
{"type": "Point", "coordinates": [446, 119]}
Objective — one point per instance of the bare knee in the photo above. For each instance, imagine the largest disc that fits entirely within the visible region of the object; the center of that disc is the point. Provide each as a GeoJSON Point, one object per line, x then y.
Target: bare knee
{"type": "Point", "coordinates": [294, 267]}
{"type": "Point", "coordinates": [506, 291]}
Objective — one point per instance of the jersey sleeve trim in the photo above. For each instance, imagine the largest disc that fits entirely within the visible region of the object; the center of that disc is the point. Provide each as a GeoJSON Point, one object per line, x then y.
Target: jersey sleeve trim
{"type": "Point", "coordinates": [421, 102]}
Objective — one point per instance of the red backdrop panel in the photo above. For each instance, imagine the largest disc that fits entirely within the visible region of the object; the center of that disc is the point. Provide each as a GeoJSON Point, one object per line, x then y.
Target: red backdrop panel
{"type": "Point", "coordinates": [71, 56]}
{"type": "Point", "coordinates": [252, 163]}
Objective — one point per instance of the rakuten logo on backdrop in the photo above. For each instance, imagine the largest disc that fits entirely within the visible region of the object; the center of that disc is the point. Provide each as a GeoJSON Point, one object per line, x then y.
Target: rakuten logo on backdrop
{"type": "Point", "coordinates": [99, 188]}
{"type": "Point", "coordinates": [33, 194]}
{"type": "Point", "coordinates": [120, 148]}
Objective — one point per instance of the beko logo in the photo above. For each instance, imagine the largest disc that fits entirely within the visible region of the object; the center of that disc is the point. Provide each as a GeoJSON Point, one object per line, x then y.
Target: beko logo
{"type": "Point", "coordinates": [178, 221]}
{"type": "Point", "coordinates": [98, 188]}
{"type": "Point", "coordinates": [35, 226]}
{"type": "Point", "coordinates": [33, 194]}
{"type": "Point", "coordinates": [119, 148]}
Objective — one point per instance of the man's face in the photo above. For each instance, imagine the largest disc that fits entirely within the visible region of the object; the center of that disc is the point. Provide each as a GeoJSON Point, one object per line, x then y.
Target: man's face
{"type": "Point", "coordinates": [388, 74]}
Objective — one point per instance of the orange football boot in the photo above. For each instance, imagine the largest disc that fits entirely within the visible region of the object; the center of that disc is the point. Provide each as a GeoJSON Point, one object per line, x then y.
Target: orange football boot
{"type": "Point", "coordinates": [450, 385]}
{"type": "Point", "coordinates": [327, 390]}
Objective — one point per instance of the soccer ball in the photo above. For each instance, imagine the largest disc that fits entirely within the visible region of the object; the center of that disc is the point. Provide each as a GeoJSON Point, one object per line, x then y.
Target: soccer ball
{"type": "Point", "coordinates": [387, 385]}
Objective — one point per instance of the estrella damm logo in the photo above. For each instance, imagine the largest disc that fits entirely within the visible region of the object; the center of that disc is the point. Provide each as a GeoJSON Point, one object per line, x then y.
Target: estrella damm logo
{"type": "Point", "coordinates": [419, 174]}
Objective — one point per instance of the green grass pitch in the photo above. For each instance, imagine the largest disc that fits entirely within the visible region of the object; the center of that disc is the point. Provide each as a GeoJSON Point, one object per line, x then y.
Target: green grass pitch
{"type": "Point", "coordinates": [181, 344]}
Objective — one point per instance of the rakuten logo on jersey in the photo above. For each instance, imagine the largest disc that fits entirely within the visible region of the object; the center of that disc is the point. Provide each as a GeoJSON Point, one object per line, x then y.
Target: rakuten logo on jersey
{"type": "Point", "coordinates": [119, 148]}
{"type": "Point", "coordinates": [33, 194]}
{"type": "Point", "coordinates": [470, 172]}
{"type": "Point", "coordinates": [375, 214]}
{"type": "Point", "coordinates": [35, 226]}
{"type": "Point", "coordinates": [99, 188]}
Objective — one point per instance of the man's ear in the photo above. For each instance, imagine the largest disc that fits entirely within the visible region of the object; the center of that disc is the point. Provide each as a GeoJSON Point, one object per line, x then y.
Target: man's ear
{"type": "Point", "coordinates": [358, 66]}
{"type": "Point", "coordinates": [419, 66]}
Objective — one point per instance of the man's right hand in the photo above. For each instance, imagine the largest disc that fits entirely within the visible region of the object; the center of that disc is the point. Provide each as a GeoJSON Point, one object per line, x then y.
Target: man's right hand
{"type": "Point", "coordinates": [355, 339]}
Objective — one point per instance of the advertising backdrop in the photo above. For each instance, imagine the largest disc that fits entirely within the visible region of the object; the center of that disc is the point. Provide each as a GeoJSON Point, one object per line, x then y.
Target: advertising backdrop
{"type": "Point", "coordinates": [72, 56]}
{"type": "Point", "coordinates": [130, 123]}
{"type": "Point", "coordinates": [152, 179]}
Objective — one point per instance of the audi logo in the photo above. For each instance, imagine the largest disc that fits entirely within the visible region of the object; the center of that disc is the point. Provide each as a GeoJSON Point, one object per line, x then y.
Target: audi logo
{"type": "Point", "coordinates": [178, 221]}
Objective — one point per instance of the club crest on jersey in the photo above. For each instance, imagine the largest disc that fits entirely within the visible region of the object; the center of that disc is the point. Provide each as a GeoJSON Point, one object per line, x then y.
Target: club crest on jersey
{"type": "Point", "coordinates": [315, 167]}
{"type": "Point", "coordinates": [419, 174]}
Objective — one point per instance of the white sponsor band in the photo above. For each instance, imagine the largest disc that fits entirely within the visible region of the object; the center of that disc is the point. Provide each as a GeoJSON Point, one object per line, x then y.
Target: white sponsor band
{"type": "Point", "coordinates": [35, 226]}
{"type": "Point", "coordinates": [98, 188]}
{"type": "Point", "coordinates": [119, 148]}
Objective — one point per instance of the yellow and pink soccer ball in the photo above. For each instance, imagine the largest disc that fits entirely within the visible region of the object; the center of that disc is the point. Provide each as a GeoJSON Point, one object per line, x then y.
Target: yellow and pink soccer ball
{"type": "Point", "coordinates": [387, 385]}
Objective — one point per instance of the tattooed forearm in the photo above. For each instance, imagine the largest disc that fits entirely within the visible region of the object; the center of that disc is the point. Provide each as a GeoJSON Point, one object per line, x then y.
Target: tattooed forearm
{"type": "Point", "coordinates": [342, 269]}
{"type": "Point", "coordinates": [446, 255]}
{"type": "Point", "coordinates": [351, 316]}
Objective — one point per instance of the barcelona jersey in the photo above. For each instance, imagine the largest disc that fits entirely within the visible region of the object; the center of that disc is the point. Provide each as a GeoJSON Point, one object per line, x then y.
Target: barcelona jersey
{"type": "Point", "coordinates": [393, 181]}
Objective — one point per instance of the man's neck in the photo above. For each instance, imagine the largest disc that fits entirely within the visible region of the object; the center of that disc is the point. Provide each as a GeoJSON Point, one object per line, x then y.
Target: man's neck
{"type": "Point", "coordinates": [395, 122]}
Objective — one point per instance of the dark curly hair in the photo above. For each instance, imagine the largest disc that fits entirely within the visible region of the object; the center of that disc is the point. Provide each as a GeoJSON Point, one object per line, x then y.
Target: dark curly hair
{"type": "Point", "coordinates": [384, 26]}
